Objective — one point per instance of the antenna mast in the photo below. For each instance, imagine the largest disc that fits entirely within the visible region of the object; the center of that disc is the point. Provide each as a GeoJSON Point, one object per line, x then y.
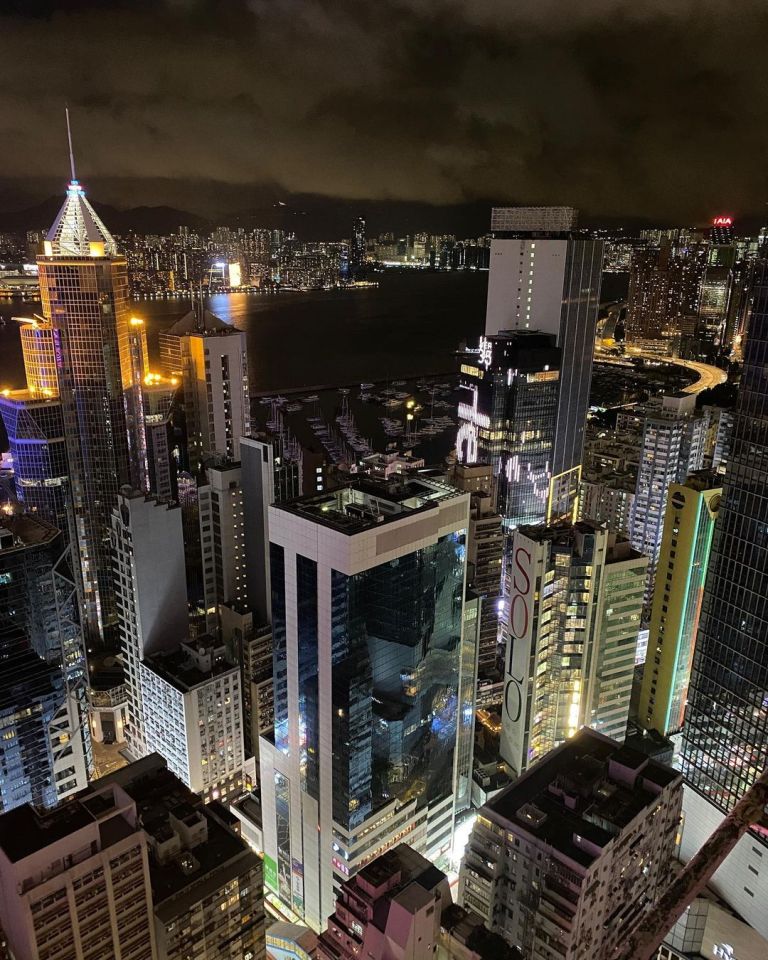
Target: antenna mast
{"type": "Point", "coordinates": [69, 139]}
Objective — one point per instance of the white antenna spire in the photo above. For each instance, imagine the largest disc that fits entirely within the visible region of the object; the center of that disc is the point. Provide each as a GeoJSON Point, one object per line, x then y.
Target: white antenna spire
{"type": "Point", "coordinates": [69, 138]}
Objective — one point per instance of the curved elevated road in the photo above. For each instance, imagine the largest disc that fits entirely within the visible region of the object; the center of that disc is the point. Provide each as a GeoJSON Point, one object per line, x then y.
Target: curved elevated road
{"type": "Point", "coordinates": [708, 376]}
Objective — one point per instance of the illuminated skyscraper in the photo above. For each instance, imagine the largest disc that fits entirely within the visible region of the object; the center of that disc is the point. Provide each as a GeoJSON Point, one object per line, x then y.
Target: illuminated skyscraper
{"type": "Point", "coordinates": [664, 287]}
{"type": "Point", "coordinates": [508, 418]}
{"type": "Point", "coordinates": [357, 249]}
{"type": "Point", "coordinates": [544, 277]}
{"type": "Point", "coordinates": [576, 595]}
{"type": "Point", "coordinates": [84, 290]}
{"type": "Point", "coordinates": [725, 737]}
{"type": "Point", "coordinates": [368, 588]}
{"type": "Point", "coordinates": [210, 358]}
{"type": "Point", "coordinates": [681, 573]}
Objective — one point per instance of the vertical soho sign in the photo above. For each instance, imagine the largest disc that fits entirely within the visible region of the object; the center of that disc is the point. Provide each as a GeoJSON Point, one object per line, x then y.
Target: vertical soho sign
{"type": "Point", "coordinates": [519, 629]}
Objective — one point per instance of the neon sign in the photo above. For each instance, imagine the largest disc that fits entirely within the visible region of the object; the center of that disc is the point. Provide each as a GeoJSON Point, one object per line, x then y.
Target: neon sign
{"type": "Point", "coordinates": [722, 222]}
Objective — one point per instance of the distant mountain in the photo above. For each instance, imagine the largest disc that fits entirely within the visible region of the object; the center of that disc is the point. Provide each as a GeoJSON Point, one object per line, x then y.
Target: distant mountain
{"type": "Point", "coordinates": [162, 220]}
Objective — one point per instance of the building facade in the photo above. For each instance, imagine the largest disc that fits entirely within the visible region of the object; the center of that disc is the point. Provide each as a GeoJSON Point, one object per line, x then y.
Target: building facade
{"type": "Point", "coordinates": [508, 419]}
{"type": "Point", "coordinates": [568, 860]}
{"type": "Point", "coordinates": [368, 586]}
{"type": "Point", "coordinates": [222, 538]}
{"type": "Point", "coordinates": [682, 572]}
{"type": "Point", "coordinates": [575, 606]}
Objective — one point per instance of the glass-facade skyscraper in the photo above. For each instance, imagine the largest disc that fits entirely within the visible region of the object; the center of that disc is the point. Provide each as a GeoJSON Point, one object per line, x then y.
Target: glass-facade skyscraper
{"type": "Point", "coordinates": [725, 739]}
{"type": "Point", "coordinates": [368, 585]}
{"type": "Point", "coordinates": [84, 291]}
{"type": "Point", "coordinates": [508, 419]}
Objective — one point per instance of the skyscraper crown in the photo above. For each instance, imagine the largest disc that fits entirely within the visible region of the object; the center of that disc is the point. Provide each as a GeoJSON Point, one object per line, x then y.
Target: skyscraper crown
{"type": "Point", "coordinates": [78, 230]}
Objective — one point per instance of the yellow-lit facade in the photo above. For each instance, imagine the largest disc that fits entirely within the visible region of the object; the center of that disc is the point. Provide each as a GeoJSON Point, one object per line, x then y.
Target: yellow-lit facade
{"type": "Point", "coordinates": [680, 576]}
{"type": "Point", "coordinates": [39, 357]}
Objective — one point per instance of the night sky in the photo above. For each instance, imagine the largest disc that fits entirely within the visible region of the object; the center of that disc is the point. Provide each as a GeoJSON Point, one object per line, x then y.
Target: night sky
{"type": "Point", "coordinates": [652, 108]}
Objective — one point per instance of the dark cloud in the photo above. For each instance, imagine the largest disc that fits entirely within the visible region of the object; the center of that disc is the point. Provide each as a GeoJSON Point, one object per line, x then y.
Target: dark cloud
{"type": "Point", "coordinates": [646, 108]}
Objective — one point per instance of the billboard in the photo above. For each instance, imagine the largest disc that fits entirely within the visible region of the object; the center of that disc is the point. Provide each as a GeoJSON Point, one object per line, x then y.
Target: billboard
{"type": "Point", "coordinates": [519, 629]}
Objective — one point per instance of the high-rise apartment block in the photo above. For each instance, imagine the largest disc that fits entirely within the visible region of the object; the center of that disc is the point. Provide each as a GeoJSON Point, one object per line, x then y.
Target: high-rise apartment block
{"type": "Point", "coordinates": [392, 907]}
{"type": "Point", "coordinates": [84, 291]}
{"type": "Point", "coordinates": [192, 710]}
{"type": "Point", "coordinates": [267, 477]}
{"type": "Point", "coordinates": [674, 441]}
{"type": "Point", "coordinates": [222, 537]}
{"type": "Point", "coordinates": [210, 358]}
{"type": "Point", "coordinates": [568, 860]}
{"type": "Point", "coordinates": [575, 603]}
{"type": "Point", "coordinates": [368, 586]}
{"type": "Point", "coordinates": [148, 550]}
{"type": "Point", "coordinates": [681, 574]}
{"type": "Point", "coordinates": [509, 417]}
{"type": "Point", "coordinates": [544, 277]}
{"type": "Point", "coordinates": [135, 867]}
{"type": "Point", "coordinates": [725, 737]}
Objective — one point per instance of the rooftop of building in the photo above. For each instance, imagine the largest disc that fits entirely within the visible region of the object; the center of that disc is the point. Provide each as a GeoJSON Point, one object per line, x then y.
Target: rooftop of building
{"type": "Point", "coordinates": [582, 795]}
{"type": "Point", "coordinates": [364, 503]}
{"type": "Point", "coordinates": [183, 672]}
{"type": "Point", "coordinates": [197, 872]}
{"type": "Point", "coordinates": [567, 534]}
{"type": "Point", "coordinates": [28, 398]}
{"type": "Point", "coordinates": [193, 323]}
{"type": "Point", "coordinates": [26, 830]}
{"type": "Point", "coordinates": [704, 480]}
{"type": "Point", "coordinates": [25, 531]}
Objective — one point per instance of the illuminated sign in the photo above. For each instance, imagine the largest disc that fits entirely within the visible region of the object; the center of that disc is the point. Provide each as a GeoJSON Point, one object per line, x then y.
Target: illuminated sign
{"type": "Point", "coordinates": [519, 625]}
{"type": "Point", "coordinates": [723, 951]}
{"type": "Point", "coordinates": [486, 352]}
{"type": "Point", "coordinates": [722, 222]}
{"type": "Point", "coordinates": [466, 443]}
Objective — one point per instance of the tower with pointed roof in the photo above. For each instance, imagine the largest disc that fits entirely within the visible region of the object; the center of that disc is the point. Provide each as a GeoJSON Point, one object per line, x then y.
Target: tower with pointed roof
{"type": "Point", "coordinates": [84, 290]}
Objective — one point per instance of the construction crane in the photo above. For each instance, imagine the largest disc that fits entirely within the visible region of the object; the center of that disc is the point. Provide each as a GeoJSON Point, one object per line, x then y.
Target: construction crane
{"type": "Point", "coordinates": [647, 937]}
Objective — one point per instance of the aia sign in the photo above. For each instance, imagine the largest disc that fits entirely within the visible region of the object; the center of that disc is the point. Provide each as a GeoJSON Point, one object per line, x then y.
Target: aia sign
{"type": "Point", "coordinates": [722, 222]}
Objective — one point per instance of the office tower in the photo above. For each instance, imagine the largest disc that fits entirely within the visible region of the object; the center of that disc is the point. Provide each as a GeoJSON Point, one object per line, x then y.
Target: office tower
{"type": "Point", "coordinates": [718, 441]}
{"type": "Point", "coordinates": [544, 277]}
{"type": "Point", "coordinates": [267, 477]}
{"type": "Point", "coordinates": [664, 287]}
{"type": "Point", "coordinates": [725, 737]}
{"type": "Point", "coordinates": [368, 588]}
{"type": "Point", "coordinates": [674, 440]}
{"type": "Point", "coordinates": [576, 596]}
{"type": "Point", "coordinates": [682, 572]}
{"type": "Point", "coordinates": [485, 551]}
{"type": "Point", "coordinates": [158, 396]}
{"type": "Point", "coordinates": [392, 907]}
{"type": "Point", "coordinates": [39, 352]}
{"type": "Point", "coordinates": [715, 293]}
{"type": "Point", "coordinates": [608, 498]}
{"type": "Point", "coordinates": [251, 647]}
{"type": "Point", "coordinates": [84, 291]}
{"type": "Point", "coordinates": [570, 858]}
{"type": "Point", "coordinates": [37, 591]}
{"type": "Point", "coordinates": [135, 867]}
{"type": "Point", "coordinates": [209, 356]}
{"type": "Point", "coordinates": [222, 537]}
{"type": "Point", "coordinates": [35, 430]}
{"type": "Point", "coordinates": [74, 881]}
{"type": "Point", "coordinates": [193, 716]}
{"type": "Point", "coordinates": [148, 550]}
{"type": "Point", "coordinates": [357, 249]}
{"type": "Point", "coordinates": [508, 419]}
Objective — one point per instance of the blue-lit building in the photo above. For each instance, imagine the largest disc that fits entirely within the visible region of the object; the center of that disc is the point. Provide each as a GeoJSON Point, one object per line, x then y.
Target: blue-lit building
{"type": "Point", "coordinates": [372, 730]}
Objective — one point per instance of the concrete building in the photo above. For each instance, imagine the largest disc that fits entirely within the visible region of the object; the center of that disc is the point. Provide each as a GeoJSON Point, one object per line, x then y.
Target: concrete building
{"type": "Point", "coordinates": [223, 539]}
{"type": "Point", "coordinates": [193, 716]}
{"type": "Point", "coordinates": [570, 858]}
{"type": "Point", "coordinates": [135, 867]}
{"type": "Point", "coordinates": [148, 552]}
{"type": "Point", "coordinates": [74, 881]}
{"type": "Point", "coordinates": [267, 477]}
{"type": "Point", "coordinates": [392, 907]}
{"type": "Point", "coordinates": [210, 358]}
{"type": "Point", "coordinates": [682, 572]}
{"type": "Point", "coordinates": [718, 442]}
{"type": "Point", "coordinates": [575, 605]}
{"type": "Point", "coordinates": [674, 438]}
{"type": "Point", "coordinates": [609, 498]}
{"type": "Point", "coordinates": [368, 585]}
{"type": "Point", "coordinates": [545, 277]}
